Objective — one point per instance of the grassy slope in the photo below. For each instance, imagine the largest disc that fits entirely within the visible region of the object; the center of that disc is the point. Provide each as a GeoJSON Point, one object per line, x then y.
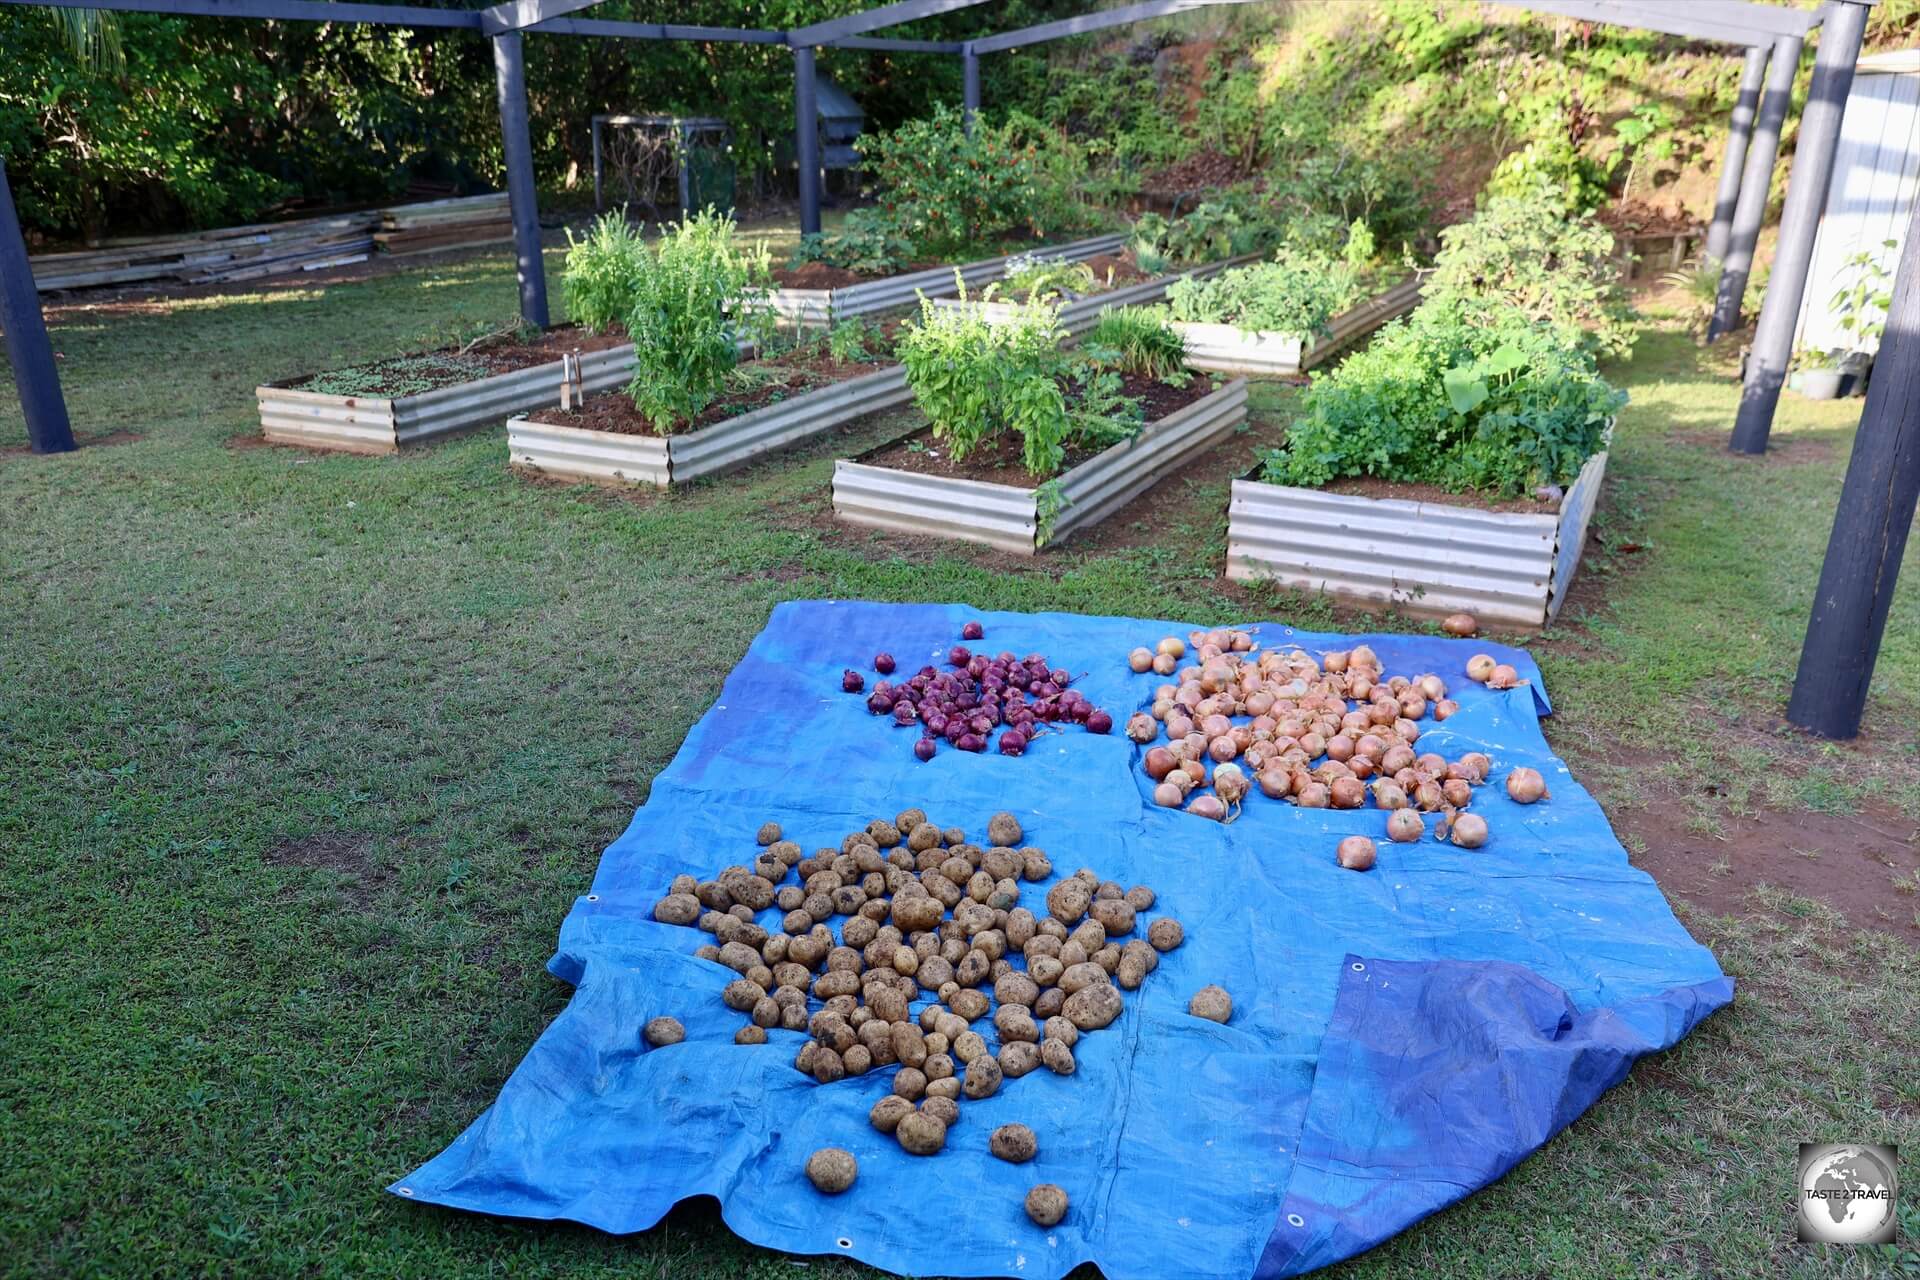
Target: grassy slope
{"type": "Point", "coordinates": [303, 759]}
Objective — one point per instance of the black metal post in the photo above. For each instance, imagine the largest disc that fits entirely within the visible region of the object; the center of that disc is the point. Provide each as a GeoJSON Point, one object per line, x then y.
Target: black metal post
{"type": "Point", "coordinates": [45, 408]}
{"type": "Point", "coordinates": [969, 86]}
{"type": "Point", "coordinates": [1739, 132]}
{"type": "Point", "coordinates": [599, 170]}
{"type": "Point", "coordinates": [806, 139]}
{"type": "Point", "coordinates": [1833, 64]}
{"type": "Point", "coordinates": [1756, 180]}
{"type": "Point", "coordinates": [523, 198]}
{"type": "Point", "coordinates": [1870, 527]}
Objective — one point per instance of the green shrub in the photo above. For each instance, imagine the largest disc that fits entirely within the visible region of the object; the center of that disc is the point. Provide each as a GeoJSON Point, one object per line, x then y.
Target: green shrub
{"type": "Point", "coordinates": [1224, 227]}
{"type": "Point", "coordinates": [1296, 293]}
{"type": "Point", "coordinates": [1527, 254]}
{"type": "Point", "coordinates": [976, 381]}
{"type": "Point", "coordinates": [694, 295]}
{"type": "Point", "coordinates": [1483, 401]}
{"type": "Point", "coordinates": [602, 268]}
{"type": "Point", "coordinates": [867, 242]}
{"type": "Point", "coordinates": [1553, 170]}
{"type": "Point", "coordinates": [1138, 340]}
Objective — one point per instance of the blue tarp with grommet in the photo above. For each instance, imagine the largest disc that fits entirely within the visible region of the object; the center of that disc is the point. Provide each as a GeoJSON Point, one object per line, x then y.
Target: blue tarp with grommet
{"type": "Point", "coordinates": [1400, 1037]}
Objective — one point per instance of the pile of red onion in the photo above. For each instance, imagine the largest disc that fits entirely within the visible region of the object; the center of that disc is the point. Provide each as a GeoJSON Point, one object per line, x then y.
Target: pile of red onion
{"type": "Point", "coordinates": [976, 695]}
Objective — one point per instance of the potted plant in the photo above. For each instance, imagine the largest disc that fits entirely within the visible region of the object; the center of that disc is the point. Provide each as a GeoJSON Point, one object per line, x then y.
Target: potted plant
{"type": "Point", "coordinates": [1859, 309]}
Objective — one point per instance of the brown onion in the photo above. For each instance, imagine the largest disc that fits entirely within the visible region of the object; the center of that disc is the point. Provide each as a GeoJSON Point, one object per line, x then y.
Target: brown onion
{"type": "Point", "coordinates": [1208, 807]}
{"type": "Point", "coordinates": [1362, 655]}
{"type": "Point", "coordinates": [1313, 744]}
{"type": "Point", "coordinates": [1362, 767]}
{"type": "Point", "coordinates": [1223, 748]}
{"type": "Point", "coordinates": [1444, 708]}
{"type": "Point", "coordinates": [1429, 797]}
{"type": "Point", "coordinates": [1389, 795]}
{"type": "Point", "coordinates": [1461, 624]}
{"type": "Point", "coordinates": [1413, 706]}
{"type": "Point", "coordinates": [1469, 830]}
{"type": "Point", "coordinates": [1405, 826]}
{"type": "Point", "coordinates": [1141, 660]}
{"type": "Point", "coordinates": [1526, 786]}
{"type": "Point", "coordinates": [1478, 764]}
{"type": "Point", "coordinates": [1458, 792]}
{"type": "Point", "coordinates": [1335, 661]}
{"type": "Point", "coordinates": [1347, 793]}
{"type": "Point", "coordinates": [1173, 647]}
{"type": "Point", "coordinates": [1159, 763]}
{"type": "Point", "coordinates": [1229, 783]}
{"type": "Point", "coordinates": [1504, 676]}
{"type": "Point", "coordinates": [1311, 796]}
{"type": "Point", "coordinates": [1479, 667]}
{"type": "Point", "coordinates": [1276, 784]}
{"type": "Point", "coordinates": [1164, 664]}
{"type": "Point", "coordinates": [1142, 728]}
{"type": "Point", "coordinates": [1168, 796]}
{"type": "Point", "coordinates": [1340, 747]}
{"type": "Point", "coordinates": [1356, 853]}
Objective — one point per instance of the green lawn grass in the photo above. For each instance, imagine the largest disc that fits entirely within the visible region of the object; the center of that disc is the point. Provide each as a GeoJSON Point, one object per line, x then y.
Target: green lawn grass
{"type": "Point", "coordinates": [303, 759]}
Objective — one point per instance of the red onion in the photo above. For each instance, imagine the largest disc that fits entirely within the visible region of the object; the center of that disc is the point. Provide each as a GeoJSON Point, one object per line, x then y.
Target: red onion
{"type": "Point", "coordinates": [971, 742]}
{"type": "Point", "coordinates": [904, 713]}
{"type": "Point", "coordinates": [1013, 743]}
{"type": "Point", "coordinates": [924, 749]}
{"type": "Point", "coordinates": [972, 631]}
{"type": "Point", "coordinates": [1099, 722]}
{"type": "Point", "coordinates": [883, 663]}
{"type": "Point", "coordinates": [879, 703]}
{"type": "Point", "coordinates": [852, 681]}
{"type": "Point", "coordinates": [958, 656]}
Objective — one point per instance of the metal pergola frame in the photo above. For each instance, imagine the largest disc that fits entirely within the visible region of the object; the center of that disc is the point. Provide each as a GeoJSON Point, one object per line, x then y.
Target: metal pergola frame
{"type": "Point", "coordinates": [1883, 480]}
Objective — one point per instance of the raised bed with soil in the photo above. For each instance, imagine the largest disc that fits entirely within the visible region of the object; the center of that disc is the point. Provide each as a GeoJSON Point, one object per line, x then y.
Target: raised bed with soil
{"type": "Point", "coordinates": [1079, 313]}
{"type": "Point", "coordinates": [1421, 550]}
{"type": "Point", "coordinates": [607, 441]}
{"type": "Point", "coordinates": [1230, 349]}
{"type": "Point", "coordinates": [839, 293]}
{"type": "Point", "coordinates": [386, 406]}
{"type": "Point", "coordinates": [911, 486]}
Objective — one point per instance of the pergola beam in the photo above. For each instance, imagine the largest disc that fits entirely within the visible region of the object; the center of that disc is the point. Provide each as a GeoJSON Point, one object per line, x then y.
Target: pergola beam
{"type": "Point", "coordinates": [1732, 22]}
{"type": "Point", "coordinates": [654, 31]}
{"type": "Point", "coordinates": [896, 45]}
{"type": "Point", "coordinates": [1089, 22]}
{"type": "Point", "coordinates": [385, 15]}
{"type": "Point", "coordinates": [888, 15]}
{"type": "Point", "coordinates": [517, 15]}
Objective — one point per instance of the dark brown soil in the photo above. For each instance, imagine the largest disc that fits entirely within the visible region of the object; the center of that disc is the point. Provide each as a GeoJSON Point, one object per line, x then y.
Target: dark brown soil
{"type": "Point", "coordinates": [817, 275]}
{"type": "Point", "coordinates": [1205, 168]}
{"type": "Point", "coordinates": [83, 441]}
{"type": "Point", "coordinates": [1783, 450]}
{"type": "Point", "coordinates": [998, 461]}
{"type": "Point", "coordinates": [613, 411]}
{"type": "Point", "coordinates": [1369, 487]}
{"type": "Point", "coordinates": [1848, 862]}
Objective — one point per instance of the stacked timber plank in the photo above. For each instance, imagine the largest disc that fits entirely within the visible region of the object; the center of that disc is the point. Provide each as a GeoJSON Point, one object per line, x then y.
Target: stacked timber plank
{"type": "Point", "coordinates": [204, 257]}
{"type": "Point", "coordinates": [445, 224]}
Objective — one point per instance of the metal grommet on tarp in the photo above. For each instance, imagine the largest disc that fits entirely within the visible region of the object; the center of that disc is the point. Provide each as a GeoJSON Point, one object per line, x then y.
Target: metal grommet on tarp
{"type": "Point", "coordinates": [405, 1191]}
{"type": "Point", "coordinates": [1295, 1220]}
{"type": "Point", "coordinates": [593, 897]}
{"type": "Point", "coordinates": [844, 1243]}
{"type": "Point", "coordinates": [1358, 967]}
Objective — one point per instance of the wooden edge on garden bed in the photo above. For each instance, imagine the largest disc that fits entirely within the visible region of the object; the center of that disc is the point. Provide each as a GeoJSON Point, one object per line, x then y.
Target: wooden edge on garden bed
{"type": "Point", "coordinates": [1009, 517]}
{"type": "Point", "coordinates": [372, 424]}
{"type": "Point", "coordinates": [1230, 349]}
{"type": "Point", "coordinates": [1082, 314]}
{"type": "Point", "coordinates": [825, 306]}
{"type": "Point", "coordinates": [610, 457]}
{"type": "Point", "coordinates": [1429, 559]}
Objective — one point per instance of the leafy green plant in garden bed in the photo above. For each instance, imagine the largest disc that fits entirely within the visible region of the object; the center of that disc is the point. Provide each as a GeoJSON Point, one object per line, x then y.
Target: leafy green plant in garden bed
{"type": "Point", "coordinates": [1033, 276]}
{"type": "Point", "coordinates": [692, 297]}
{"type": "Point", "coordinates": [1481, 401]}
{"type": "Point", "coordinates": [601, 270]}
{"type": "Point", "coordinates": [1137, 340]}
{"type": "Point", "coordinates": [1527, 254]}
{"type": "Point", "coordinates": [976, 381]}
{"type": "Point", "coordinates": [867, 241]}
{"type": "Point", "coordinates": [400, 376]}
{"type": "Point", "coordinates": [1297, 292]}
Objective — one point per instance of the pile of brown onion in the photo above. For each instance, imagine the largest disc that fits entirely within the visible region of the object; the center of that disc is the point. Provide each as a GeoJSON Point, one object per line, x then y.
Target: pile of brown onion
{"type": "Point", "coordinates": [1332, 733]}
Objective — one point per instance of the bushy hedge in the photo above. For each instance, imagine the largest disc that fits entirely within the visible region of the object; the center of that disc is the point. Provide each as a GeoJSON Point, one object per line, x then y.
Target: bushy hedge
{"type": "Point", "coordinates": [1470, 399]}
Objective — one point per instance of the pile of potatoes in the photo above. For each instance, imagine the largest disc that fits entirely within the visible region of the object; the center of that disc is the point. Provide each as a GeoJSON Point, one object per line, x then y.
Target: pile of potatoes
{"type": "Point", "coordinates": [925, 912]}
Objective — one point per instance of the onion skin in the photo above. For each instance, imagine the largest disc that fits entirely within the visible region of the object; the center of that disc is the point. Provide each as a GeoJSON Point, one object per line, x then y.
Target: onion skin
{"type": "Point", "coordinates": [1357, 853]}
{"type": "Point", "coordinates": [1469, 830]}
{"type": "Point", "coordinates": [1525, 786]}
{"type": "Point", "coordinates": [1404, 826]}
{"type": "Point", "coordinates": [1461, 624]}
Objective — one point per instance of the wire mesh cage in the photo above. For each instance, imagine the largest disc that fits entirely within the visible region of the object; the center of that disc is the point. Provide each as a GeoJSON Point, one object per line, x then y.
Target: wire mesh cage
{"type": "Point", "coordinates": [664, 166]}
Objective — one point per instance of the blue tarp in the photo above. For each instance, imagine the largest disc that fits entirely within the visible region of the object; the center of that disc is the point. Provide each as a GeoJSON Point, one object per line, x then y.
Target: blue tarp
{"type": "Point", "coordinates": [1400, 1037]}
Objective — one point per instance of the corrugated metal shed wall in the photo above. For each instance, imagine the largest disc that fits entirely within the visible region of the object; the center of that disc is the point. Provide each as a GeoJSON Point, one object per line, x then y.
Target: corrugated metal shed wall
{"type": "Point", "coordinates": [1875, 175]}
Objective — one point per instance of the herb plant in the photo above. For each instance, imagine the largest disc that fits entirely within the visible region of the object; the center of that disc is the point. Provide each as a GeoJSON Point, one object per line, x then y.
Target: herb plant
{"type": "Point", "coordinates": [1480, 400]}
{"type": "Point", "coordinates": [601, 269]}
{"type": "Point", "coordinates": [695, 294]}
{"type": "Point", "coordinates": [1297, 292]}
{"type": "Point", "coordinates": [1138, 340]}
{"type": "Point", "coordinates": [1033, 276]}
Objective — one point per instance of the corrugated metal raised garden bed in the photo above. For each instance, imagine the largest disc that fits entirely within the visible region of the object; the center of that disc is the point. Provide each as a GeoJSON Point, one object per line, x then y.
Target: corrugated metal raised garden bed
{"type": "Point", "coordinates": [1231, 349]}
{"type": "Point", "coordinates": [1022, 520]}
{"type": "Point", "coordinates": [610, 457]}
{"type": "Point", "coordinates": [1509, 568]}
{"type": "Point", "coordinates": [1081, 314]}
{"type": "Point", "coordinates": [820, 307]}
{"type": "Point", "coordinates": [382, 424]}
